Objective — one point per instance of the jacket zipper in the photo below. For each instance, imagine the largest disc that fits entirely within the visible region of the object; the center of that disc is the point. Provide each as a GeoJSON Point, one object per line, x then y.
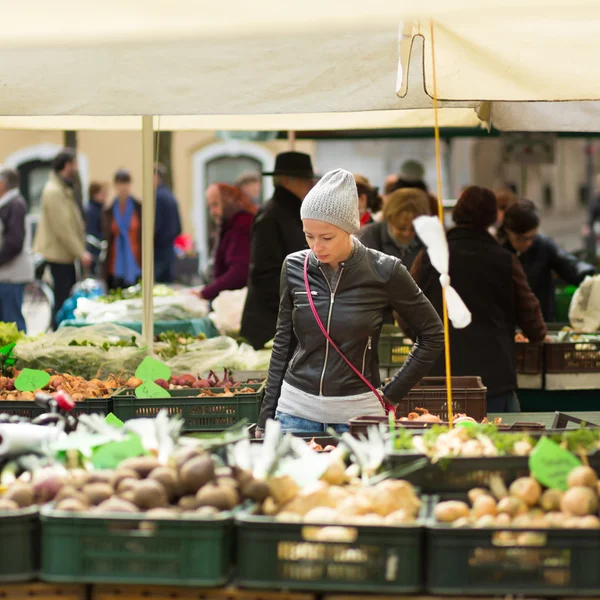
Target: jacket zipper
{"type": "Point", "coordinates": [367, 347]}
{"type": "Point", "coordinates": [328, 323]}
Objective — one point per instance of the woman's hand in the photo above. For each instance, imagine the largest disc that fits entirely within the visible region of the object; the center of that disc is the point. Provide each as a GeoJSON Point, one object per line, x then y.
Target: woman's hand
{"type": "Point", "coordinates": [259, 433]}
{"type": "Point", "coordinates": [197, 292]}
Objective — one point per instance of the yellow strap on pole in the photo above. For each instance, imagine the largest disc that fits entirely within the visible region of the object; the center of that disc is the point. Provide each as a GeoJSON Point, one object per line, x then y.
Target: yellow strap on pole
{"type": "Point", "coordinates": [438, 164]}
{"type": "Point", "coordinates": [148, 213]}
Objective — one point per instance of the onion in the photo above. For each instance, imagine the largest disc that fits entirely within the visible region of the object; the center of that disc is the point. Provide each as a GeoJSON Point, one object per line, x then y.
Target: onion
{"type": "Point", "coordinates": [47, 483]}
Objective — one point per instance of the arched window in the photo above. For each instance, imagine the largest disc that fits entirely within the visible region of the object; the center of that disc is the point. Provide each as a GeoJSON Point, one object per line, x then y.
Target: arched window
{"type": "Point", "coordinates": [223, 162]}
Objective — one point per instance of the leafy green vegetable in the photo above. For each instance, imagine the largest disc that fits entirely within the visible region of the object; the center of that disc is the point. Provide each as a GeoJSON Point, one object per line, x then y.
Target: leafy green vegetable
{"type": "Point", "coordinates": [9, 334]}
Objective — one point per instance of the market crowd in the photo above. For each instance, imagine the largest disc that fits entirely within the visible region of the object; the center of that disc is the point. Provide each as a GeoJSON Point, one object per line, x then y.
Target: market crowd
{"type": "Point", "coordinates": [366, 257]}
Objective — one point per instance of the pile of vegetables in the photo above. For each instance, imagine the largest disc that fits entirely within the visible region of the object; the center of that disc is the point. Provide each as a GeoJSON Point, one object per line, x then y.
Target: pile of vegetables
{"type": "Point", "coordinates": [526, 505]}
{"type": "Point", "coordinates": [172, 343]}
{"type": "Point", "coordinates": [485, 440]}
{"type": "Point", "coordinates": [422, 415]}
{"type": "Point", "coordinates": [191, 382]}
{"type": "Point", "coordinates": [191, 484]}
{"type": "Point", "coordinates": [78, 388]}
{"type": "Point", "coordinates": [9, 334]}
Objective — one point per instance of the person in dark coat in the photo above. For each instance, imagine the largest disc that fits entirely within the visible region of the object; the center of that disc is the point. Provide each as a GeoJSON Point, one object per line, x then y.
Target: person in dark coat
{"type": "Point", "coordinates": [395, 234]}
{"type": "Point", "coordinates": [492, 284]}
{"type": "Point", "coordinates": [540, 255]}
{"type": "Point", "coordinates": [232, 257]}
{"type": "Point", "coordinates": [122, 230]}
{"type": "Point", "coordinates": [277, 231]}
{"type": "Point", "coordinates": [167, 226]}
{"type": "Point", "coordinates": [93, 221]}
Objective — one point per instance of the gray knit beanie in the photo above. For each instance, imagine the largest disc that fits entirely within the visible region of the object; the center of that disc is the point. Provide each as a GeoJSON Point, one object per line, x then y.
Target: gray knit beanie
{"type": "Point", "coordinates": [334, 199]}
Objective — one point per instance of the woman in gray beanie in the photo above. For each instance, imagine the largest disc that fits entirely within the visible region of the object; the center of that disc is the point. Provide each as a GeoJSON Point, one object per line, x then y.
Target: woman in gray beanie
{"type": "Point", "coordinates": [325, 368]}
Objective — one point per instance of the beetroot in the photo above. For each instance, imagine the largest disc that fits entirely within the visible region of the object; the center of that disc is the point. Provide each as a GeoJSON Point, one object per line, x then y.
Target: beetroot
{"type": "Point", "coordinates": [186, 380]}
{"type": "Point", "coordinates": [162, 383]}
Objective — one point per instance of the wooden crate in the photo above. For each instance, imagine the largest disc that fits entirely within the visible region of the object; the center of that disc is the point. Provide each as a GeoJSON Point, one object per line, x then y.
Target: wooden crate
{"type": "Point", "coordinates": [149, 592]}
{"type": "Point", "coordinates": [43, 591]}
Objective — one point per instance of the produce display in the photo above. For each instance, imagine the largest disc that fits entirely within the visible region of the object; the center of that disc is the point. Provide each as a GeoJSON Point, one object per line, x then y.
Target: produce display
{"type": "Point", "coordinates": [190, 483]}
{"type": "Point", "coordinates": [94, 352]}
{"type": "Point", "coordinates": [485, 440]}
{"type": "Point", "coordinates": [78, 388]}
{"type": "Point", "coordinates": [422, 415]}
{"type": "Point", "coordinates": [192, 383]}
{"type": "Point", "coordinates": [171, 343]}
{"type": "Point", "coordinates": [525, 504]}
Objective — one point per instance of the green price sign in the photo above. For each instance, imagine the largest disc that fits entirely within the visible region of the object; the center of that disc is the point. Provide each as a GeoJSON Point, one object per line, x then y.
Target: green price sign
{"type": "Point", "coordinates": [151, 369]}
{"type": "Point", "coordinates": [30, 380]}
{"type": "Point", "coordinates": [550, 464]}
{"type": "Point", "coordinates": [151, 390]}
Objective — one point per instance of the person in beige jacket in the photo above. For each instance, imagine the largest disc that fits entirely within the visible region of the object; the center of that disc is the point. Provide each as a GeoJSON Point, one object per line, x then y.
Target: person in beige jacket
{"type": "Point", "coordinates": [60, 235]}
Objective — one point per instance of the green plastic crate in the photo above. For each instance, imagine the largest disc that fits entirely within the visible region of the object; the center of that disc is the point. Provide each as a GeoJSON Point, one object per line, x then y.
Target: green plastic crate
{"type": "Point", "coordinates": [19, 553]}
{"type": "Point", "coordinates": [463, 561]}
{"type": "Point", "coordinates": [199, 413]}
{"type": "Point", "coordinates": [563, 296]}
{"type": "Point", "coordinates": [30, 410]}
{"type": "Point", "coordinates": [132, 549]}
{"type": "Point", "coordinates": [394, 347]}
{"type": "Point", "coordinates": [276, 555]}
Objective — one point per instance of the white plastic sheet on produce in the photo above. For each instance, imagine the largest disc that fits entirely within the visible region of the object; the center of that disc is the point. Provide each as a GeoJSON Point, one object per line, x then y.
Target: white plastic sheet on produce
{"type": "Point", "coordinates": [84, 351]}
{"type": "Point", "coordinates": [584, 312]}
{"type": "Point", "coordinates": [219, 353]}
{"type": "Point", "coordinates": [175, 307]}
{"type": "Point", "coordinates": [227, 309]}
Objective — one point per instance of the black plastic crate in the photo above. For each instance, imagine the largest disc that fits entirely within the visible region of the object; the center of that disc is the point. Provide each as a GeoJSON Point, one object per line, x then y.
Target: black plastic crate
{"type": "Point", "coordinates": [552, 562]}
{"type": "Point", "coordinates": [529, 358]}
{"type": "Point", "coordinates": [276, 555]}
{"type": "Point", "coordinates": [30, 410]}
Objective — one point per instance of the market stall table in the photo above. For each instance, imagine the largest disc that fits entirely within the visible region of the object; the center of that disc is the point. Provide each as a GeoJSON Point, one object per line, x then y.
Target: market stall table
{"type": "Point", "coordinates": [546, 418]}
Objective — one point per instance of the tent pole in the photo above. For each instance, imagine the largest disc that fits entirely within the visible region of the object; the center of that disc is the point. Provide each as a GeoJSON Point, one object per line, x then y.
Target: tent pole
{"type": "Point", "coordinates": [292, 139]}
{"type": "Point", "coordinates": [148, 210]}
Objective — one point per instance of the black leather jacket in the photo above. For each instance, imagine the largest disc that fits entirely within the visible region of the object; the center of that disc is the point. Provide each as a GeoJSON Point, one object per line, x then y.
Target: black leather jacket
{"type": "Point", "coordinates": [369, 283]}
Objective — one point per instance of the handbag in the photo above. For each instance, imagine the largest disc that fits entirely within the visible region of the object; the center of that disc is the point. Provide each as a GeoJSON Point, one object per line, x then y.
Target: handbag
{"type": "Point", "coordinates": [387, 407]}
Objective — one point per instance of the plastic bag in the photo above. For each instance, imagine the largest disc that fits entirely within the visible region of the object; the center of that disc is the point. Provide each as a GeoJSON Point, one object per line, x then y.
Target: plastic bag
{"type": "Point", "coordinates": [175, 307]}
{"type": "Point", "coordinates": [201, 357]}
{"type": "Point", "coordinates": [249, 359]}
{"type": "Point", "coordinates": [94, 351]}
{"type": "Point", "coordinates": [227, 309]}
{"type": "Point", "coordinates": [584, 312]}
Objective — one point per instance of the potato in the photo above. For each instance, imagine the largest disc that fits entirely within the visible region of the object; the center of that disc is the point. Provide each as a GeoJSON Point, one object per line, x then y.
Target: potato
{"type": "Point", "coordinates": [446, 512]}
{"type": "Point", "coordinates": [476, 493]}
{"type": "Point", "coordinates": [582, 477]}
{"type": "Point", "coordinates": [550, 500]}
{"type": "Point", "coordinates": [526, 489]}
{"type": "Point", "coordinates": [484, 505]}
{"type": "Point", "coordinates": [579, 501]}
{"type": "Point", "coordinates": [512, 507]}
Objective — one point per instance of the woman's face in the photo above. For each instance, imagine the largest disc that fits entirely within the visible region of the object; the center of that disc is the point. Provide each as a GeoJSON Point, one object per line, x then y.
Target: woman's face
{"type": "Point", "coordinates": [402, 228]}
{"type": "Point", "coordinates": [330, 244]}
{"type": "Point", "coordinates": [521, 242]}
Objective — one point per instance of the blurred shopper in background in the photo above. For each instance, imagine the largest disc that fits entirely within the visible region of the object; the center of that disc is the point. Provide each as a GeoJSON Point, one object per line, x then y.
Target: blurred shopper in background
{"type": "Point", "coordinates": [369, 201]}
{"type": "Point", "coordinates": [492, 284]}
{"type": "Point", "coordinates": [122, 229]}
{"type": "Point", "coordinates": [93, 221]}
{"type": "Point", "coordinates": [60, 235]}
{"type": "Point", "coordinates": [16, 262]}
{"type": "Point", "coordinates": [167, 226]}
{"type": "Point", "coordinates": [235, 214]}
{"type": "Point", "coordinates": [540, 256]}
{"type": "Point", "coordinates": [277, 232]}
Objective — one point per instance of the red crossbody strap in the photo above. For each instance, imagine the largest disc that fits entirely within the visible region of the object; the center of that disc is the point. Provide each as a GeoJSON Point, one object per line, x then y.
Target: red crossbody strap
{"type": "Point", "coordinates": [386, 405]}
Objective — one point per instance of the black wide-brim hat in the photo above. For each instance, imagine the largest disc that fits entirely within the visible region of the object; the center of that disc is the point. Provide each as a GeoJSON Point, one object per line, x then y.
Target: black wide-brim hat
{"type": "Point", "coordinates": [293, 164]}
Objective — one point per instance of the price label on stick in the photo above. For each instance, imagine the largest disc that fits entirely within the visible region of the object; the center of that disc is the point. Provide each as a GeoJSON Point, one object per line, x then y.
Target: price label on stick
{"type": "Point", "coordinates": [149, 389]}
{"type": "Point", "coordinates": [30, 380]}
{"type": "Point", "coordinates": [550, 464]}
{"type": "Point", "coordinates": [151, 369]}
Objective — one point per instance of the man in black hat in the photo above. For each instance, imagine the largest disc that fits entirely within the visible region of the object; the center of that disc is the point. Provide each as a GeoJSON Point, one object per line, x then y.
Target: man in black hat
{"type": "Point", "coordinates": [277, 231]}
